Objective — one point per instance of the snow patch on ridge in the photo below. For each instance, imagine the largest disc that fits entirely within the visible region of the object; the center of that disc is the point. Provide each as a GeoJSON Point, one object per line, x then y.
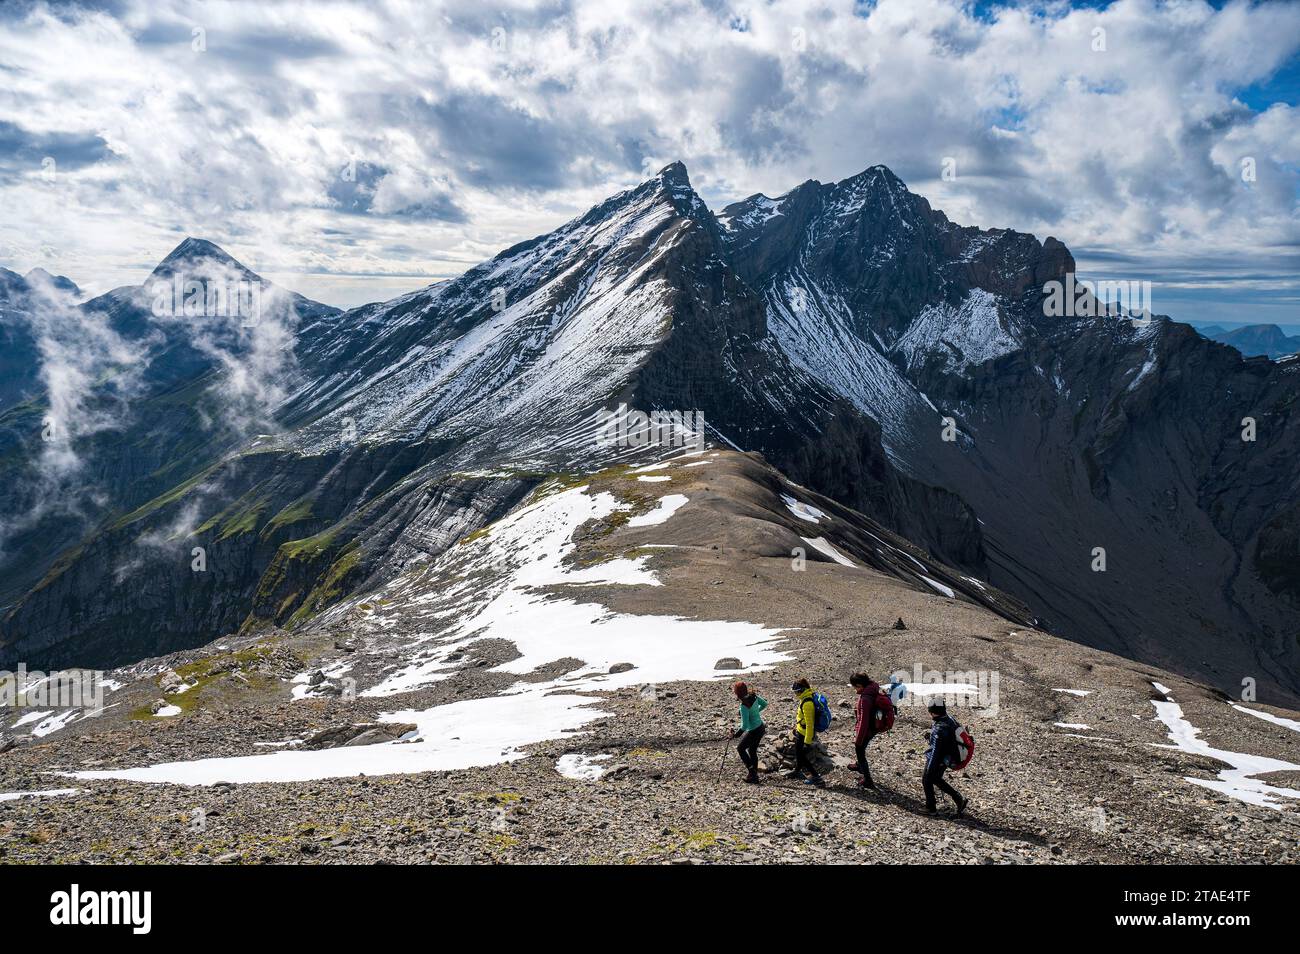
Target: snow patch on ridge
{"type": "Point", "coordinates": [968, 335]}
{"type": "Point", "coordinates": [814, 327]}
{"type": "Point", "coordinates": [580, 767]}
{"type": "Point", "coordinates": [1291, 724]}
{"type": "Point", "coordinates": [525, 554]}
{"type": "Point", "coordinates": [43, 793]}
{"type": "Point", "coordinates": [54, 723]}
{"type": "Point", "coordinates": [668, 505]}
{"type": "Point", "coordinates": [1237, 782]}
{"type": "Point", "coordinates": [826, 547]}
{"type": "Point", "coordinates": [939, 587]}
{"type": "Point", "coordinates": [802, 510]}
{"type": "Point", "coordinates": [760, 209]}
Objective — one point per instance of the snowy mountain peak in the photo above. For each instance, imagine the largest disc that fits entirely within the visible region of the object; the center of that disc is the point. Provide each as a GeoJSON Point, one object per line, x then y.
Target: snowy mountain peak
{"type": "Point", "coordinates": [674, 174]}
{"type": "Point", "coordinates": [749, 213]}
{"type": "Point", "coordinates": [676, 185]}
{"type": "Point", "coordinates": [200, 254]}
{"type": "Point", "coordinates": [876, 188]}
{"type": "Point", "coordinates": [879, 174]}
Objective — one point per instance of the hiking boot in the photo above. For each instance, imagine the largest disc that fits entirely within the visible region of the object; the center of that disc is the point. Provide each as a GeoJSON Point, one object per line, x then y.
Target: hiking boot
{"type": "Point", "coordinates": [796, 774]}
{"type": "Point", "coordinates": [961, 806]}
{"type": "Point", "coordinates": [753, 779]}
{"type": "Point", "coordinates": [932, 811]}
{"type": "Point", "coordinates": [815, 780]}
{"type": "Point", "coordinates": [867, 783]}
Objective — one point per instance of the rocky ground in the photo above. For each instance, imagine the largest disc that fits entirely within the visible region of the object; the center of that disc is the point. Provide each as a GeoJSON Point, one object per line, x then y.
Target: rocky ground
{"type": "Point", "coordinates": [1058, 777]}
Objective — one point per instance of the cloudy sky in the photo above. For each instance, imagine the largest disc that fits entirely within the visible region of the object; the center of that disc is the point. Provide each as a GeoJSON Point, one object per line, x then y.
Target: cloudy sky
{"type": "Point", "coordinates": [357, 151]}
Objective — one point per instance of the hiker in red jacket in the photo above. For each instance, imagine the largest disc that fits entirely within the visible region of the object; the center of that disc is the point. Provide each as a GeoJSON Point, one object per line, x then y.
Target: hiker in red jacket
{"type": "Point", "coordinates": [864, 722]}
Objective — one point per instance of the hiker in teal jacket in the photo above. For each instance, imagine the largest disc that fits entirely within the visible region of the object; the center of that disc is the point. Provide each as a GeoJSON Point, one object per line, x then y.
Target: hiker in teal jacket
{"type": "Point", "coordinates": [751, 728]}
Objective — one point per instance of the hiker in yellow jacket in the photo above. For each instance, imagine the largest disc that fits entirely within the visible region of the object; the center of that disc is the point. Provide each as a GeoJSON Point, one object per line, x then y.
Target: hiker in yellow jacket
{"type": "Point", "coordinates": [805, 732]}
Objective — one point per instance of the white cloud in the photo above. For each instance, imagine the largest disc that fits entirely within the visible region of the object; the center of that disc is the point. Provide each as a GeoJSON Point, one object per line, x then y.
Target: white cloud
{"type": "Point", "coordinates": [88, 375]}
{"type": "Point", "coordinates": [481, 124]}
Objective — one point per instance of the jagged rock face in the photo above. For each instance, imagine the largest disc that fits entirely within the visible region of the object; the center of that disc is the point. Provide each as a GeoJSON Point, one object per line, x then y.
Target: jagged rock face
{"type": "Point", "coordinates": [881, 251]}
{"type": "Point", "coordinates": [1070, 434]}
{"type": "Point", "coordinates": [1130, 439]}
{"type": "Point", "coordinates": [833, 330]}
{"type": "Point", "coordinates": [723, 360]}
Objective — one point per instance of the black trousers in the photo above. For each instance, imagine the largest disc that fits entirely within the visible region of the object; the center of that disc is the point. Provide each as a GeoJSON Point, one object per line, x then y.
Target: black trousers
{"type": "Point", "coordinates": [801, 762]}
{"type": "Point", "coordinates": [932, 779]}
{"type": "Point", "coordinates": [748, 747]}
{"type": "Point", "coordinates": [861, 751]}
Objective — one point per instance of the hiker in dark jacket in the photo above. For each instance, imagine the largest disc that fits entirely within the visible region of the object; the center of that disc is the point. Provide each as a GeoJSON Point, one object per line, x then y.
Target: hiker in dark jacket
{"type": "Point", "coordinates": [864, 723]}
{"type": "Point", "coordinates": [805, 732]}
{"type": "Point", "coordinates": [751, 728]}
{"type": "Point", "coordinates": [941, 753]}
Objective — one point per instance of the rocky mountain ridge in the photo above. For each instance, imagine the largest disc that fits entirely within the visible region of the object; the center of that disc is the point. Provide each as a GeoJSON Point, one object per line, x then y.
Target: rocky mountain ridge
{"type": "Point", "coordinates": [864, 344]}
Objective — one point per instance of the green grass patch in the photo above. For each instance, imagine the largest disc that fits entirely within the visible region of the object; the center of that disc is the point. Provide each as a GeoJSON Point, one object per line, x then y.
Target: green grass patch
{"type": "Point", "coordinates": [499, 798]}
{"type": "Point", "coordinates": [330, 587]}
{"type": "Point", "coordinates": [310, 547]}
{"type": "Point", "coordinates": [478, 534]}
{"type": "Point", "coordinates": [203, 674]}
{"type": "Point", "coordinates": [171, 496]}
{"type": "Point", "coordinates": [641, 752]}
{"type": "Point", "coordinates": [296, 512]}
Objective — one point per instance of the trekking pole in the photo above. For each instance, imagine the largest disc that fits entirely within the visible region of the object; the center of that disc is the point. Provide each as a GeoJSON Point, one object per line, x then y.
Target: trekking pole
{"type": "Point", "coordinates": [726, 747]}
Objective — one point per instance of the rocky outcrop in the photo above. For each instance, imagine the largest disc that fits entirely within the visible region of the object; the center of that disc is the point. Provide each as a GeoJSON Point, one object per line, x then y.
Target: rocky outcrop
{"type": "Point", "coordinates": [362, 733]}
{"type": "Point", "coordinates": [1066, 434]}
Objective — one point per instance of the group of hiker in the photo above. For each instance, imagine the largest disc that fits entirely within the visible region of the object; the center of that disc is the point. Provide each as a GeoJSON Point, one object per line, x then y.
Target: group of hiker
{"type": "Point", "coordinates": [950, 745]}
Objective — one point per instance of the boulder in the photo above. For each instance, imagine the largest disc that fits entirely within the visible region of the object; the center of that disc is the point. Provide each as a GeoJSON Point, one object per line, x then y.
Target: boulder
{"type": "Point", "coordinates": [620, 667]}
{"type": "Point", "coordinates": [324, 687]}
{"type": "Point", "coordinates": [728, 662]}
{"type": "Point", "coordinates": [359, 733]}
{"type": "Point", "coordinates": [780, 757]}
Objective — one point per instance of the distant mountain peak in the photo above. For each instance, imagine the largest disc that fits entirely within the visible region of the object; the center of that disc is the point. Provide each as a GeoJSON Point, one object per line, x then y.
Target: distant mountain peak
{"type": "Point", "coordinates": [675, 174]}
{"type": "Point", "coordinates": [877, 173]}
{"type": "Point", "coordinates": [192, 246]}
{"type": "Point", "coordinates": [39, 276]}
{"type": "Point", "coordinates": [199, 252]}
{"type": "Point", "coordinates": [1267, 340]}
{"type": "Point", "coordinates": [674, 181]}
{"type": "Point", "coordinates": [875, 184]}
{"type": "Point", "coordinates": [200, 260]}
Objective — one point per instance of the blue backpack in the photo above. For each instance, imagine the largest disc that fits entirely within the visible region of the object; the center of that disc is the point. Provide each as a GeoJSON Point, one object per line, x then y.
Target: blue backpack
{"type": "Point", "coordinates": [822, 708]}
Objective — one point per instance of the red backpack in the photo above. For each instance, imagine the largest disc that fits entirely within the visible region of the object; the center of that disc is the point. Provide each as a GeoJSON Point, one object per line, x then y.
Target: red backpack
{"type": "Point", "coordinates": [882, 712]}
{"type": "Point", "coordinates": [965, 748]}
